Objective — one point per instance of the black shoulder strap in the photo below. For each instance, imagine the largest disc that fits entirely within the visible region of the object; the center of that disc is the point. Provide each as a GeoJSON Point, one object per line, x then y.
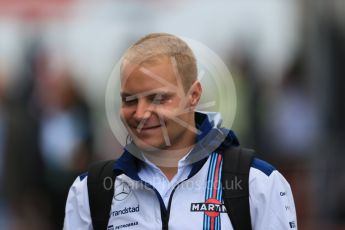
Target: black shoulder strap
{"type": "Point", "coordinates": [100, 183]}
{"type": "Point", "coordinates": [235, 182]}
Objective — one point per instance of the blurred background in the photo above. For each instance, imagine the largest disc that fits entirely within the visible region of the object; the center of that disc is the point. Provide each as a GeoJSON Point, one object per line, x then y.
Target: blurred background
{"type": "Point", "coordinates": [286, 57]}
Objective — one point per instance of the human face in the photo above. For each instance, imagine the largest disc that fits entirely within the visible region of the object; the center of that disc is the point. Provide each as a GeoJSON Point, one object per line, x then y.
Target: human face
{"type": "Point", "coordinates": [155, 109]}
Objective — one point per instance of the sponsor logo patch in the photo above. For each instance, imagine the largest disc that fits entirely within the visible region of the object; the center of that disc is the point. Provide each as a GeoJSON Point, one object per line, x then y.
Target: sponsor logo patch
{"type": "Point", "coordinates": [122, 191]}
{"type": "Point", "coordinates": [126, 225]}
{"type": "Point", "coordinates": [210, 207]}
{"type": "Point", "coordinates": [125, 211]}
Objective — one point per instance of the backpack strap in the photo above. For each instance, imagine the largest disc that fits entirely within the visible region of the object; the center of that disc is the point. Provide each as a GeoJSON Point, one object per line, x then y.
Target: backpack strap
{"type": "Point", "coordinates": [100, 184]}
{"type": "Point", "coordinates": [235, 181]}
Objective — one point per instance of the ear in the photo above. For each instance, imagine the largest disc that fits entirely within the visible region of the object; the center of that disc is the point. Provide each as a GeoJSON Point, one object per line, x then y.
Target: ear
{"type": "Point", "coordinates": [195, 93]}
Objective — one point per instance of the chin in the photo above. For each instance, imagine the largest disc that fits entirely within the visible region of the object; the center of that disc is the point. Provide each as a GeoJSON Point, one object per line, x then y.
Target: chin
{"type": "Point", "coordinates": [147, 146]}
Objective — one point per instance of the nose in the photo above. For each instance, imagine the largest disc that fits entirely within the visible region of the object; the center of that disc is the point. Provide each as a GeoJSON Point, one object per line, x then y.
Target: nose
{"type": "Point", "coordinates": [143, 110]}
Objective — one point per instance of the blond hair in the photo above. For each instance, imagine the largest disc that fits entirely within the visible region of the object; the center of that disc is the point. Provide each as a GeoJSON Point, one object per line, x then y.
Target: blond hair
{"type": "Point", "coordinates": [152, 47]}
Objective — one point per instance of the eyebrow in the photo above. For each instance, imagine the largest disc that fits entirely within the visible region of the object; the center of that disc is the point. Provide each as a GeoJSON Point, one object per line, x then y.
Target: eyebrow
{"type": "Point", "coordinates": [162, 91]}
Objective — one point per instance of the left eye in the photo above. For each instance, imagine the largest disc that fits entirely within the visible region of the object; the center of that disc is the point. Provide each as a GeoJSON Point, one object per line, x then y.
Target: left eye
{"type": "Point", "coordinates": [158, 99]}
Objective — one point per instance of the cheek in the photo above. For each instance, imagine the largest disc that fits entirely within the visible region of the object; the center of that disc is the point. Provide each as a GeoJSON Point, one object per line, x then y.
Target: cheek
{"type": "Point", "coordinates": [172, 109]}
{"type": "Point", "coordinates": [125, 113]}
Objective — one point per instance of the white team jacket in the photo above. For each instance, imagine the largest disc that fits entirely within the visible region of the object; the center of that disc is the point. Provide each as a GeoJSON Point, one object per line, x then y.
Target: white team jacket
{"type": "Point", "coordinates": [195, 203]}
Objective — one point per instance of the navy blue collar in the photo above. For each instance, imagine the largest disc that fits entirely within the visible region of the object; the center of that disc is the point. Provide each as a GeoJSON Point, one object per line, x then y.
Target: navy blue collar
{"type": "Point", "coordinates": [203, 124]}
{"type": "Point", "coordinates": [129, 164]}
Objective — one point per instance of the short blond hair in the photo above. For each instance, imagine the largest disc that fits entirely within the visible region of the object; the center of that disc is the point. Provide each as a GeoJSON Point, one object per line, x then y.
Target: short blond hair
{"type": "Point", "coordinates": [150, 48]}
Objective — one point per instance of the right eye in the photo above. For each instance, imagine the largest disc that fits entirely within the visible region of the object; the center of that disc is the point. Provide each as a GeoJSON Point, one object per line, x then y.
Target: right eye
{"type": "Point", "coordinates": [128, 102]}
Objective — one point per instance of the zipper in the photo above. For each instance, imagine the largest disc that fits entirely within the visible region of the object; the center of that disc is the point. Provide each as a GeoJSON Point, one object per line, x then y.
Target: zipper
{"type": "Point", "coordinates": [166, 217]}
{"type": "Point", "coordinates": [165, 212]}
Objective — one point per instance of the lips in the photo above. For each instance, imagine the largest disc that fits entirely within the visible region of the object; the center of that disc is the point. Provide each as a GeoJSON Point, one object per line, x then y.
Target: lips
{"type": "Point", "coordinates": [147, 130]}
{"type": "Point", "coordinates": [150, 127]}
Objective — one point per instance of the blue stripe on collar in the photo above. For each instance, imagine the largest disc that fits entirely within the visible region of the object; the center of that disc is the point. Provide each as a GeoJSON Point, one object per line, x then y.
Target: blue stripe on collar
{"type": "Point", "coordinates": [127, 164]}
{"type": "Point", "coordinates": [202, 124]}
{"type": "Point", "coordinates": [196, 166]}
{"type": "Point", "coordinates": [230, 140]}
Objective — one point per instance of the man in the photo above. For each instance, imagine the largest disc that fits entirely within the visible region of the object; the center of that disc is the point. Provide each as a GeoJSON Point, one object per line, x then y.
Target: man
{"type": "Point", "coordinates": [169, 175]}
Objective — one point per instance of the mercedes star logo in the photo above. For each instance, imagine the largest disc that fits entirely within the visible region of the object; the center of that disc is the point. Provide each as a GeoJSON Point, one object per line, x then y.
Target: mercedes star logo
{"type": "Point", "coordinates": [122, 191]}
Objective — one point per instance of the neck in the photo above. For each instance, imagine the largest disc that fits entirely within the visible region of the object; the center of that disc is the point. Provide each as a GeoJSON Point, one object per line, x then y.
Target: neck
{"type": "Point", "coordinates": [167, 161]}
{"type": "Point", "coordinates": [169, 172]}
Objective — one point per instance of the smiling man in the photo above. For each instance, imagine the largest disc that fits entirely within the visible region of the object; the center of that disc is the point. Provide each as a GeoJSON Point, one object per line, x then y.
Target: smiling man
{"type": "Point", "coordinates": [181, 169]}
{"type": "Point", "coordinates": [155, 109]}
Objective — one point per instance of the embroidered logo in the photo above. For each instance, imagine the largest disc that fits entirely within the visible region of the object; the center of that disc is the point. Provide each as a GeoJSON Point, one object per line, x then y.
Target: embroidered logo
{"type": "Point", "coordinates": [211, 207]}
{"type": "Point", "coordinates": [122, 191]}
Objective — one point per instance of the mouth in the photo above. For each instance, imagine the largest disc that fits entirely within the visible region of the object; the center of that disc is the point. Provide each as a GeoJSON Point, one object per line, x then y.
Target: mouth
{"type": "Point", "coordinates": [151, 127]}
{"type": "Point", "coordinates": [147, 128]}
{"type": "Point", "coordinates": [139, 129]}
